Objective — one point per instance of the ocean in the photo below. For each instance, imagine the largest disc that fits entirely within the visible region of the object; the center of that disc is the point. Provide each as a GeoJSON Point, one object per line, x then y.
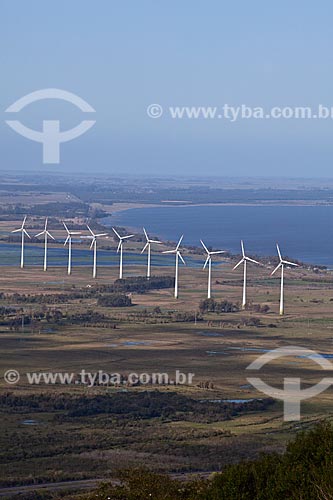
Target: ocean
{"type": "Point", "coordinates": [303, 232]}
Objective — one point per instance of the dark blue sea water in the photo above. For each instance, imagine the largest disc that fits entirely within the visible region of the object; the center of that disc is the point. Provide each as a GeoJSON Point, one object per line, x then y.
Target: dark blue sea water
{"type": "Point", "coordinates": [304, 233]}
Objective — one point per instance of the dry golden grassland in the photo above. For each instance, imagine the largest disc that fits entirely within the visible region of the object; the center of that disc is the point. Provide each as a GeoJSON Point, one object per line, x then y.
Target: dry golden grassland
{"type": "Point", "coordinates": [214, 349]}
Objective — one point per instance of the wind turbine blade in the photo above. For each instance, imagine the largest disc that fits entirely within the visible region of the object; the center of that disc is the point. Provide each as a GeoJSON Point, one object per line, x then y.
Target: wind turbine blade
{"type": "Point", "coordinates": [181, 258]}
{"type": "Point", "coordinates": [128, 236]}
{"type": "Point", "coordinates": [17, 230]}
{"type": "Point", "coordinates": [206, 262]}
{"type": "Point", "coordinates": [66, 240]}
{"type": "Point", "coordinates": [25, 218]}
{"type": "Point", "coordinates": [45, 227]}
{"type": "Point", "coordinates": [243, 251]}
{"type": "Point", "coordinates": [155, 241]}
{"type": "Point", "coordinates": [217, 251]}
{"type": "Point", "coordinates": [50, 235]}
{"type": "Point", "coordinates": [278, 251]}
{"type": "Point", "coordinates": [202, 243]}
{"type": "Point", "coordinates": [146, 235]}
{"type": "Point", "coordinates": [113, 229]}
{"type": "Point", "coordinates": [169, 251]}
{"type": "Point", "coordinates": [66, 227]}
{"type": "Point", "coordinates": [252, 260]}
{"type": "Point", "coordinates": [290, 263]}
{"type": "Point", "coordinates": [26, 233]}
{"type": "Point", "coordinates": [144, 248]}
{"type": "Point", "coordinates": [101, 234]}
{"type": "Point", "coordinates": [39, 234]}
{"type": "Point", "coordinates": [119, 245]}
{"type": "Point", "coordinates": [92, 243]}
{"type": "Point", "coordinates": [277, 267]}
{"type": "Point", "coordinates": [90, 231]}
{"type": "Point", "coordinates": [238, 264]}
{"type": "Point", "coordinates": [75, 232]}
{"type": "Point", "coordinates": [179, 242]}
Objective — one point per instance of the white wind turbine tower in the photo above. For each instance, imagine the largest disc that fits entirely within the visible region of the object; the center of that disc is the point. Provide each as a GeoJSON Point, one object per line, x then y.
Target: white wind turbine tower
{"type": "Point", "coordinates": [244, 260]}
{"type": "Point", "coordinates": [178, 256]}
{"type": "Point", "coordinates": [209, 262]}
{"type": "Point", "coordinates": [24, 233]}
{"type": "Point", "coordinates": [120, 248]}
{"type": "Point", "coordinates": [69, 241]}
{"type": "Point", "coordinates": [45, 233]}
{"type": "Point", "coordinates": [94, 244]}
{"type": "Point", "coordinates": [281, 264]}
{"type": "Point", "coordinates": [148, 246]}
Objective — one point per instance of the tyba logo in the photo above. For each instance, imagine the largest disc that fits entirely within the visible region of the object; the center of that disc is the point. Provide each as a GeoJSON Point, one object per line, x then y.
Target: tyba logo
{"type": "Point", "coordinates": [291, 394]}
{"type": "Point", "coordinates": [51, 137]}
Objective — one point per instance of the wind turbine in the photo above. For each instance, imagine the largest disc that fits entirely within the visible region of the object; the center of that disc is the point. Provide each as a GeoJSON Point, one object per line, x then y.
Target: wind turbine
{"type": "Point", "coordinates": [94, 244]}
{"type": "Point", "coordinates": [209, 262]}
{"type": "Point", "coordinates": [148, 246]}
{"type": "Point", "coordinates": [244, 260]}
{"type": "Point", "coordinates": [69, 241]}
{"type": "Point", "coordinates": [178, 256]}
{"type": "Point", "coordinates": [24, 233]}
{"type": "Point", "coordinates": [46, 234]}
{"type": "Point", "coordinates": [281, 264]}
{"type": "Point", "coordinates": [120, 248]}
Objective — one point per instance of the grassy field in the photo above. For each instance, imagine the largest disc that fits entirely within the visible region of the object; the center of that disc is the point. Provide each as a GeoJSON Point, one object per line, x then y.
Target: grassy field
{"type": "Point", "coordinates": [62, 444]}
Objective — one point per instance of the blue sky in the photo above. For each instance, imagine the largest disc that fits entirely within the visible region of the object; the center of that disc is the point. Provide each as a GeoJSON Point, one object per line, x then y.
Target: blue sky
{"type": "Point", "coordinates": [120, 56]}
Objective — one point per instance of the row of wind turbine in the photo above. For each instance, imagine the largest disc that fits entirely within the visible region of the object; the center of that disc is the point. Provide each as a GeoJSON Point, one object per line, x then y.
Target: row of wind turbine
{"type": "Point", "coordinates": [93, 236]}
{"type": "Point", "coordinates": [178, 256]}
{"type": "Point", "coordinates": [244, 260]}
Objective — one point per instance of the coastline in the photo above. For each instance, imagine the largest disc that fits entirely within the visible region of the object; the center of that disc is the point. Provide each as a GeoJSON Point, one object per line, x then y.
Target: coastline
{"type": "Point", "coordinates": [122, 207]}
